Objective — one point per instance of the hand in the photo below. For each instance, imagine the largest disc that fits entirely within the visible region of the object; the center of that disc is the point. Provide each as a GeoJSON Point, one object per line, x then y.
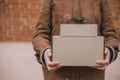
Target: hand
{"type": "Point", "coordinates": [103, 63]}
{"type": "Point", "coordinates": [51, 65]}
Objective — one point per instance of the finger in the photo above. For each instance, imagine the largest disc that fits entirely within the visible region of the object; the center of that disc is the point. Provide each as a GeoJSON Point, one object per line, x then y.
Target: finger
{"type": "Point", "coordinates": [102, 62]}
{"type": "Point", "coordinates": [102, 67]}
{"type": "Point", "coordinates": [52, 69]}
{"type": "Point", "coordinates": [93, 67]}
{"type": "Point", "coordinates": [48, 52]}
{"type": "Point", "coordinates": [48, 57]}
{"type": "Point", "coordinates": [99, 67]}
{"type": "Point", "coordinates": [52, 64]}
{"type": "Point", "coordinates": [107, 55]}
{"type": "Point", "coordinates": [106, 50]}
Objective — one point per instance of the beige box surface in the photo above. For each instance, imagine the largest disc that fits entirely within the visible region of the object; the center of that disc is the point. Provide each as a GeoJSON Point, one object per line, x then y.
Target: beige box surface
{"type": "Point", "coordinates": [78, 30]}
{"type": "Point", "coordinates": [78, 51]}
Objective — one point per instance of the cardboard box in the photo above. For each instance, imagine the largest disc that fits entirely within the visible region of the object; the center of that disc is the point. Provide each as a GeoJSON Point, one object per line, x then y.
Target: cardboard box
{"type": "Point", "coordinates": [78, 51]}
{"type": "Point", "coordinates": [78, 30]}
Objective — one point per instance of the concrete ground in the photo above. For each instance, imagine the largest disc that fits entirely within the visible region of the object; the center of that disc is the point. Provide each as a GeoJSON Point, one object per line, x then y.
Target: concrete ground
{"type": "Point", "coordinates": [17, 62]}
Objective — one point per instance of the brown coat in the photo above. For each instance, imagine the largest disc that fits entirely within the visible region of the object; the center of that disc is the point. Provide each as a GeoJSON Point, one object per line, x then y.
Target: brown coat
{"type": "Point", "coordinates": [56, 12]}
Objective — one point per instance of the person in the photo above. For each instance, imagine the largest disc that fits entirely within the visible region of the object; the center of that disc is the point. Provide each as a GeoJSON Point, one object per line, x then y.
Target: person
{"type": "Point", "coordinates": [56, 12]}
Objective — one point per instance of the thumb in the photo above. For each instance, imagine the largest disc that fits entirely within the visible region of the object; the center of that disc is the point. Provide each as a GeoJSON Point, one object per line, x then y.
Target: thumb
{"type": "Point", "coordinates": [106, 51]}
{"type": "Point", "coordinates": [49, 54]}
{"type": "Point", "coordinates": [107, 55]}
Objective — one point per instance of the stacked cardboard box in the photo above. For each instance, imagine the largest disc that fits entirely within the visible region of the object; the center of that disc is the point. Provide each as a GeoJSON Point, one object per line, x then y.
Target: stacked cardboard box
{"type": "Point", "coordinates": [78, 45]}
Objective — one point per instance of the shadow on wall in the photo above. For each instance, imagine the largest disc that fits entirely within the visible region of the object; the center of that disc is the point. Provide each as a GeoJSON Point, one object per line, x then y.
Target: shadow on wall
{"type": "Point", "coordinates": [17, 62]}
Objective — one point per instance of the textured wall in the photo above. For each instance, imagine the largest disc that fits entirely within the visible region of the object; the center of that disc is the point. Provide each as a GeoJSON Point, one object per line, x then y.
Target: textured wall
{"type": "Point", "coordinates": [18, 18]}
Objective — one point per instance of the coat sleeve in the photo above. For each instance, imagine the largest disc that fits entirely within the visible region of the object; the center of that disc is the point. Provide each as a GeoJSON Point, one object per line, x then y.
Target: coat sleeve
{"type": "Point", "coordinates": [42, 36]}
{"type": "Point", "coordinates": [108, 29]}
